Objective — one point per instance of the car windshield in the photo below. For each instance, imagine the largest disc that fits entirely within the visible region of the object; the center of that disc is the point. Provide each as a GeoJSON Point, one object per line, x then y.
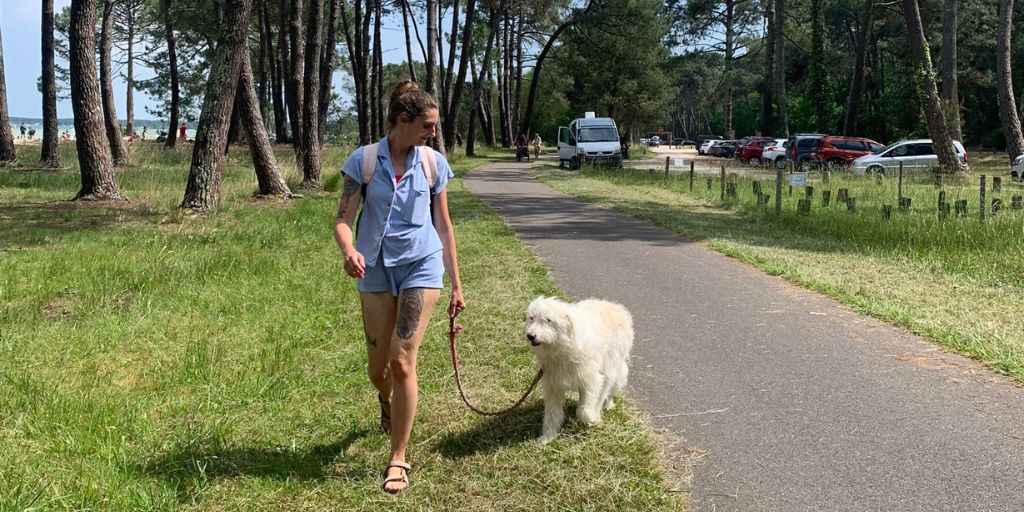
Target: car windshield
{"type": "Point", "coordinates": [887, 148]}
{"type": "Point", "coordinates": [599, 134]}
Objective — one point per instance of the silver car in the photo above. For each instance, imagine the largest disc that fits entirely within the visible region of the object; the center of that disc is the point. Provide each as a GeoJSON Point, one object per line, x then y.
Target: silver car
{"type": "Point", "coordinates": [916, 154]}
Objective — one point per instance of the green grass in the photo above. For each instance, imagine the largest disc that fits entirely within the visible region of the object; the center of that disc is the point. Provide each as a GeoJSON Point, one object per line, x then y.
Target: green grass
{"type": "Point", "coordinates": [954, 281]}
{"type": "Point", "coordinates": [151, 360]}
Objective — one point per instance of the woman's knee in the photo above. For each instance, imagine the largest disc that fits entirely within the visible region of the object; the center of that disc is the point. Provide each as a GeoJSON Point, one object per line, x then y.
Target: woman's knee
{"type": "Point", "coordinates": [403, 366]}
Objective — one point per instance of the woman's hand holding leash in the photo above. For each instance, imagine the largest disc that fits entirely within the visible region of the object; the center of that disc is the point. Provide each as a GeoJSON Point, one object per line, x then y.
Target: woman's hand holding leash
{"type": "Point", "coordinates": [355, 265]}
{"type": "Point", "coordinates": [457, 303]}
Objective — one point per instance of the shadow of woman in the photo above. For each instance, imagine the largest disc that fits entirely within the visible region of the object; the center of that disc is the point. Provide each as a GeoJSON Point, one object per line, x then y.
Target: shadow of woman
{"type": "Point", "coordinates": [493, 433]}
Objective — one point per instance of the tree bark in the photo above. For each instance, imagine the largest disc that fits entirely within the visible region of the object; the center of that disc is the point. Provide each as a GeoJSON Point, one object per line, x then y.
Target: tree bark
{"type": "Point", "coordinates": [97, 168]}
{"type": "Point", "coordinates": [284, 64]}
{"type": "Point", "coordinates": [942, 138]}
{"type": "Point", "coordinates": [268, 174]}
{"type": "Point", "coordinates": [780, 68]}
{"type": "Point", "coordinates": [431, 85]}
{"type": "Point", "coordinates": [818, 84]}
{"type": "Point", "coordinates": [730, 45]}
{"type": "Point", "coordinates": [202, 192]}
{"type": "Point", "coordinates": [129, 109]}
{"type": "Point", "coordinates": [172, 57]}
{"type": "Point", "coordinates": [376, 80]}
{"type": "Point", "coordinates": [766, 79]}
{"type": "Point", "coordinates": [1004, 80]}
{"type": "Point", "coordinates": [117, 149]}
{"type": "Point", "coordinates": [460, 80]}
{"type": "Point", "coordinates": [517, 92]}
{"type": "Point", "coordinates": [274, 67]}
{"type": "Point", "coordinates": [295, 103]}
{"type": "Point", "coordinates": [327, 68]}
{"type": "Point", "coordinates": [7, 153]}
{"type": "Point", "coordinates": [950, 91]}
{"type": "Point", "coordinates": [311, 177]}
{"type": "Point", "coordinates": [408, 41]}
{"type": "Point", "coordinates": [449, 75]}
{"type": "Point", "coordinates": [50, 149]}
{"type": "Point", "coordinates": [366, 120]}
{"type": "Point", "coordinates": [857, 81]}
{"type": "Point", "coordinates": [528, 114]}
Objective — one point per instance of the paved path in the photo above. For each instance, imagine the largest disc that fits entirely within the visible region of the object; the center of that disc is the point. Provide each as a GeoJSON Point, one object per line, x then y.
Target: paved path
{"type": "Point", "coordinates": [798, 403]}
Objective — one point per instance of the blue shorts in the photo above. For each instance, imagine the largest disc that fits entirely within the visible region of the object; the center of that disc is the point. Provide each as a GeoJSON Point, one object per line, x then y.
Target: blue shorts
{"type": "Point", "coordinates": [427, 272]}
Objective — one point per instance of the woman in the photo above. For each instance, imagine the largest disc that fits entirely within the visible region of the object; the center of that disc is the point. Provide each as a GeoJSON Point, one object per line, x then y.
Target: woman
{"type": "Point", "coordinates": [404, 244]}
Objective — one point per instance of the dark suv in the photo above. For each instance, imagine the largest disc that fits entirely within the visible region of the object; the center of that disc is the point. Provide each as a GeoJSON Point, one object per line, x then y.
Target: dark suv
{"type": "Point", "coordinates": [839, 152]}
{"type": "Point", "coordinates": [800, 146]}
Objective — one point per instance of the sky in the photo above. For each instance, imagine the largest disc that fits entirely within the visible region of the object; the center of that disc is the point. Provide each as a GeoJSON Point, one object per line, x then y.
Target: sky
{"type": "Point", "coordinates": [21, 29]}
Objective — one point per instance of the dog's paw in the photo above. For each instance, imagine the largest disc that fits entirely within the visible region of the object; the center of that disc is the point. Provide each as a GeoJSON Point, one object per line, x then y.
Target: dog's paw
{"type": "Point", "coordinates": [609, 405]}
{"type": "Point", "coordinates": [588, 417]}
{"type": "Point", "coordinates": [546, 438]}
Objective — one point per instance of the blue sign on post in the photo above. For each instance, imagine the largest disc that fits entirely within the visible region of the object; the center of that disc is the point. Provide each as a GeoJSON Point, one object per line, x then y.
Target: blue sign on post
{"type": "Point", "coordinates": [797, 180]}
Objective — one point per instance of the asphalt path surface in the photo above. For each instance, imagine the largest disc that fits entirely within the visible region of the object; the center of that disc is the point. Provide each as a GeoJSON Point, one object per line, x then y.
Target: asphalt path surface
{"type": "Point", "coordinates": [792, 401]}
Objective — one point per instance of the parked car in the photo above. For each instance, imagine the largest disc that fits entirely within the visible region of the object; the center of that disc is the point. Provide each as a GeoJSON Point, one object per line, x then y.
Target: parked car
{"type": "Point", "coordinates": [799, 147]}
{"type": "Point", "coordinates": [706, 146]}
{"type": "Point", "coordinates": [915, 154]}
{"type": "Point", "coordinates": [654, 141]}
{"type": "Point", "coordinates": [683, 142]}
{"type": "Point", "coordinates": [750, 152]}
{"type": "Point", "coordinates": [723, 148]}
{"type": "Point", "coordinates": [1017, 169]}
{"type": "Point", "coordinates": [701, 138]}
{"type": "Point", "coordinates": [643, 140]}
{"type": "Point", "coordinates": [775, 152]}
{"type": "Point", "coordinates": [839, 152]}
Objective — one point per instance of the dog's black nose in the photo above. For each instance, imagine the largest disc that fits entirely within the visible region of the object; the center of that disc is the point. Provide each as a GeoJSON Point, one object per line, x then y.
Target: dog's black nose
{"type": "Point", "coordinates": [531, 337]}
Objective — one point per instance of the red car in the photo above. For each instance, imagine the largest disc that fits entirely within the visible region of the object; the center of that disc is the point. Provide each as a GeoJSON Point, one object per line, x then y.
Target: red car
{"type": "Point", "coordinates": [842, 151]}
{"type": "Point", "coordinates": [750, 152]}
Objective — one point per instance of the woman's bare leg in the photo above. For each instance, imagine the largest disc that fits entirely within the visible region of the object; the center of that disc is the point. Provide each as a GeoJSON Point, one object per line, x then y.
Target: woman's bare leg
{"type": "Point", "coordinates": [415, 305]}
{"type": "Point", "coordinates": [379, 311]}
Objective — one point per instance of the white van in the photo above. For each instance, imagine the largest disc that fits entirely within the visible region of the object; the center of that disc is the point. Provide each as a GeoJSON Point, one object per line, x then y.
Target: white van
{"type": "Point", "coordinates": [594, 139]}
{"type": "Point", "coordinates": [915, 154]}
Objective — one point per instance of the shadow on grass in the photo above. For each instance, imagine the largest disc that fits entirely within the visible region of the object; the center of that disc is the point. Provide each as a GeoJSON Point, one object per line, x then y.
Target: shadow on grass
{"type": "Point", "coordinates": [190, 468]}
{"type": "Point", "coordinates": [494, 433]}
{"type": "Point", "coordinates": [33, 224]}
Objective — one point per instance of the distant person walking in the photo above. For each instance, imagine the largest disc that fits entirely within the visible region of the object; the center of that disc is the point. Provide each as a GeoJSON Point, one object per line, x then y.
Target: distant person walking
{"type": "Point", "coordinates": [31, 133]}
{"type": "Point", "coordinates": [22, 127]}
{"type": "Point", "coordinates": [181, 133]}
{"type": "Point", "coordinates": [144, 128]}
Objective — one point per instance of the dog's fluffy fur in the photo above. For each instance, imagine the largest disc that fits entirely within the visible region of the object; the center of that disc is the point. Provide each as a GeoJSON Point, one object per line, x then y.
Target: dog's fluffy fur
{"type": "Point", "coordinates": [583, 348]}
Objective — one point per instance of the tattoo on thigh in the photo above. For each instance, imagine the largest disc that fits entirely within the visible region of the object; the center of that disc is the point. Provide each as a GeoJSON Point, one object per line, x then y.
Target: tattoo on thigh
{"type": "Point", "coordinates": [409, 312]}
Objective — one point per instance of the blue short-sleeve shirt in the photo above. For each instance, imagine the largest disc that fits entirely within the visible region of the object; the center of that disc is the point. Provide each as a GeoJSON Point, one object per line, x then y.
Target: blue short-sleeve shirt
{"type": "Point", "coordinates": [395, 221]}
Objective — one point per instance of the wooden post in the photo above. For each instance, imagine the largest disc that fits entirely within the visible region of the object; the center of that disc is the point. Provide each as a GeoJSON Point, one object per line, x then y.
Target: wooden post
{"type": "Point", "coordinates": [809, 191]}
{"type": "Point", "coordinates": [905, 204]}
{"type": "Point", "coordinates": [997, 184]}
{"type": "Point", "coordinates": [826, 197]}
{"type": "Point", "coordinates": [803, 206]}
{"type": "Point", "coordinates": [851, 204]}
{"type": "Point", "coordinates": [1016, 203]}
{"type": "Point", "coordinates": [981, 211]}
{"type": "Point", "coordinates": [778, 193]}
{"type": "Point", "coordinates": [886, 211]}
{"type": "Point", "coordinates": [899, 186]}
{"type": "Point", "coordinates": [666, 167]}
{"type": "Point", "coordinates": [721, 187]}
{"type": "Point", "coordinates": [691, 175]}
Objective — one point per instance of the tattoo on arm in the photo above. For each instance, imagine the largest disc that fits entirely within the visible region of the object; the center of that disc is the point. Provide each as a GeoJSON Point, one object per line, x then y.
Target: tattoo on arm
{"type": "Point", "coordinates": [350, 188]}
{"type": "Point", "coordinates": [409, 312]}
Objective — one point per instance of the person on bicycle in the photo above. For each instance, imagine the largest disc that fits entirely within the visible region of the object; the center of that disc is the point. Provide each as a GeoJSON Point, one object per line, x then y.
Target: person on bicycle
{"type": "Point", "coordinates": [536, 145]}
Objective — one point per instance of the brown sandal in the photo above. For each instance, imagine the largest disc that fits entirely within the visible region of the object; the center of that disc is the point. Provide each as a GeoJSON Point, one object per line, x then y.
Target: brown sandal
{"type": "Point", "coordinates": [404, 478]}
{"type": "Point", "coordinates": [385, 418]}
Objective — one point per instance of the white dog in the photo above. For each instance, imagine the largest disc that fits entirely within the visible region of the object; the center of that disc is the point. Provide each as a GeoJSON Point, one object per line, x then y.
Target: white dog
{"type": "Point", "coordinates": [583, 348]}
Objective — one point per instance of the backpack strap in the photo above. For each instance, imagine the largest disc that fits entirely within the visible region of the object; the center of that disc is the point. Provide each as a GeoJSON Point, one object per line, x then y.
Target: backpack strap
{"type": "Point", "coordinates": [369, 163]}
{"type": "Point", "coordinates": [430, 170]}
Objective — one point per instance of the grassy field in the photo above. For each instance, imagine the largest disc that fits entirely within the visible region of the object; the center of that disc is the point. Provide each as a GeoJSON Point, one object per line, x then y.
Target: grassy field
{"type": "Point", "coordinates": [955, 281]}
{"type": "Point", "coordinates": [151, 360]}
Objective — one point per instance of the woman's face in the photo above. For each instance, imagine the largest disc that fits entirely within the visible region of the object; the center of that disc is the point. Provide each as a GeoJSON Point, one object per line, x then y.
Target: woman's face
{"type": "Point", "coordinates": [421, 128]}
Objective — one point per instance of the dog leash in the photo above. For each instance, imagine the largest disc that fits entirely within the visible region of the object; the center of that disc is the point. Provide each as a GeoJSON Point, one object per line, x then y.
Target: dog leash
{"type": "Point", "coordinates": [453, 330]}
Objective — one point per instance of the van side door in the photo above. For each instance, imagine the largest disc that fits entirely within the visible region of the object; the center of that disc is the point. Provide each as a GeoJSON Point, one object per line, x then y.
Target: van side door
{"type": "Point", "coordinates": [566, 144]}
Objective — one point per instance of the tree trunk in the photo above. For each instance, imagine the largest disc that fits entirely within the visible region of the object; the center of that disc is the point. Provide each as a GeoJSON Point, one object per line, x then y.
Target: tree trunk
{"type": "Point", "coordinates": [97, 168]}
{"type": "Point", "coordinates": [327, 68]}
{"type": "Point", "coordinates": [452, 116]}
{"type": "Point", "coordinates": [365, 69]}
{"type": "Point", "coordinates": [311, 177]}
{"type": "Point", "coordinates": [172, 57]}
{"type": "Point", "coordinates": [408, 41]}
{"type": "Point", "coordinates": [780, 68]}
{"type": "Point", "coordinates": [49, 156]}
{"type": "Point", "coordinates": [7, 153]}
{"type": "Point", "coordinates": [284, 66]}
{"type": "Point", "coordinates": [730, 44]}
{"type": "Point", "coordinates": [268, 174]}
{"type": "Point", "coordinates": [942, 138]}
{"type": "Point", "coordinates": [274, 67]}
{"type": "Point", "coordinates": [117, 149]}
{"type": "Point", "coordinates": [431, 85]}
{"type": "Point", "coordinates": [766, 79]}
{"type": "Point", "coordinates": [528, 114]}
{"type": "Point", "coordinates": [857, 81]}
{"type": "Point", "coordinates": [818, 85]}
{"type": "Point", "coordinates": [263, 57]}
{"type": "Point", "coordinates": [376, 79]}
{"type": "Point", "coordinates": [449, 75]}
{"type": "Point", "coordinates": [950, 90]}
{"type": "Point", "coordinates": [1004, 80]}
{"type": "Point", "coordinates": [485, 95]}
{"type": "Point", "coordinates": [129, 109]}
{"type": "Point", "coordinates": [297, 61]}
{"type": "Point", "coordinates": [517, 92]}
{"type": "Point", "coordinates": [202, 192]}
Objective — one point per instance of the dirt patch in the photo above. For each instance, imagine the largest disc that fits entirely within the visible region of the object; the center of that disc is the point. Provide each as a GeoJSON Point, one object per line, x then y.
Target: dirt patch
{"type": "Point", "coordinates": [60, 308]}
